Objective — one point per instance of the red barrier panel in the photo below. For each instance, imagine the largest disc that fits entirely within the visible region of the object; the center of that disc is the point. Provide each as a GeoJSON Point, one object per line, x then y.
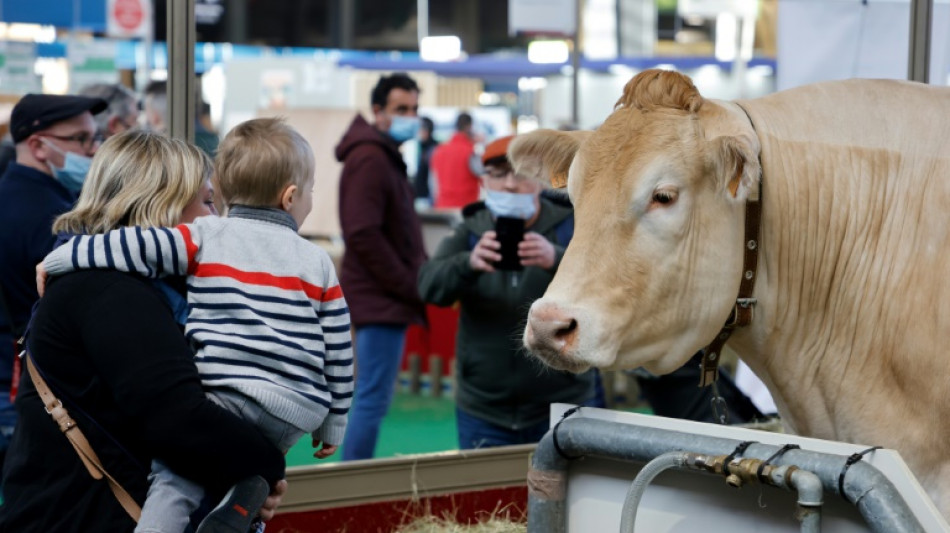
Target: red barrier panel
{"type": "Point", "coordinates": [438, 339]}
{"type": "Point", "coordinates": [383, 517]}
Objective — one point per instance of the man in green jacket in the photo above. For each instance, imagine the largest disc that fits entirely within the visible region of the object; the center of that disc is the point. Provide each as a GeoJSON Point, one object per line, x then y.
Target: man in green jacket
{"type": "Point", "coordinates": [503, 395]}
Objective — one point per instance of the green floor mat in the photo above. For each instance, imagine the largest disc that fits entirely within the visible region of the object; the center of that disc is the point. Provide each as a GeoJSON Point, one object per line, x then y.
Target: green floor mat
{"type": "Point", "coordinates": [414, 424]}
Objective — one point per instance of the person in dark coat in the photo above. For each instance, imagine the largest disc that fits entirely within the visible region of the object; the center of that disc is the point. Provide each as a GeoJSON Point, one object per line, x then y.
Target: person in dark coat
{"type": "Point", "coordinates": [427, 145]}
{"type": "Point", "coordinates": [503, 396]}
{"type": "Point", "coordinates": [384, 250]}
{"type": "Point", "coordinates": [54, 139]}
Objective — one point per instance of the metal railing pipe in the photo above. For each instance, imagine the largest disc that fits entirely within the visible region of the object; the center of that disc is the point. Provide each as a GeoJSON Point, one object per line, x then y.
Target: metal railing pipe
{"type": "Point", "coordinates": [876, 498]}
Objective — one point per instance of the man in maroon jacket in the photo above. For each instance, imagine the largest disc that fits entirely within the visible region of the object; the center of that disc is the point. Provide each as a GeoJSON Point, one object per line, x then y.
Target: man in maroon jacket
{"type": "Point", "coordinates": [384, 251]}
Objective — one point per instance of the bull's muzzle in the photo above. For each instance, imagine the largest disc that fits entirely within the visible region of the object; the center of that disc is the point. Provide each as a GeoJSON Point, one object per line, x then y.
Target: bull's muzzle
{"type": "Point", "coordinates": [551, 332]}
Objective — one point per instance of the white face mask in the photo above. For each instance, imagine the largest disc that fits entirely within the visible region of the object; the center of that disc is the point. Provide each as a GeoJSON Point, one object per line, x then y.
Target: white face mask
{"type": "Point", "coordinates": [510, 204]}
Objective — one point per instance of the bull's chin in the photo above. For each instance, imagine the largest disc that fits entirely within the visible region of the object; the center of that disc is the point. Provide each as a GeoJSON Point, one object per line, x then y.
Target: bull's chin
{"type": "Point", "coordinates": [560, 362]}
{"type": "Point", "coordinates": [658, 363]}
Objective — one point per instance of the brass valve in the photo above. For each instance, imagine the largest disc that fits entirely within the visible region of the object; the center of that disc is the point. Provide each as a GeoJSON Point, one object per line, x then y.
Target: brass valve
{"type": "Point", "coordinates": [741, 471]}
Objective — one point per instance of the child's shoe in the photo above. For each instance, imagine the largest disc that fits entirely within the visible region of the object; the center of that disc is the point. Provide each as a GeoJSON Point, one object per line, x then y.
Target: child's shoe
{"type": "Point", "coordinates": [238, 510]}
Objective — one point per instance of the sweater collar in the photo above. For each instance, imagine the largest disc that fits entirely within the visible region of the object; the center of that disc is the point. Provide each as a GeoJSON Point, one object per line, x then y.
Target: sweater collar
{"type": "Point", "coordinates": [264, 214]}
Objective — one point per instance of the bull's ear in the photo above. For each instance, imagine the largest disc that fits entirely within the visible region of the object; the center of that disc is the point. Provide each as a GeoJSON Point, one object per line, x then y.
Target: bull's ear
{"type": "Point", "coordinates": [735, 163]}
{"type": "Point", "coordinates": [546, 155]}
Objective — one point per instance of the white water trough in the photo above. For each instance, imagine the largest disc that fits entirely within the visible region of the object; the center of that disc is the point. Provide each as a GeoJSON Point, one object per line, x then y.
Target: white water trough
{"type": "Point", "coordinates": [680, 501]}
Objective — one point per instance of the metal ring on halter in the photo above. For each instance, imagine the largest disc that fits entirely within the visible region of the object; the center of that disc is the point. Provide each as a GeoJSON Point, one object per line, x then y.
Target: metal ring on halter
{"type": "Point", "coordinates": [719, 408]}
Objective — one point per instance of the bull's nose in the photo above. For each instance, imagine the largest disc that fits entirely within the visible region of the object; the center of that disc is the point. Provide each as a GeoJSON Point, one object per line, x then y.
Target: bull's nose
{"type": "Point", "coordinates": [550, 328]}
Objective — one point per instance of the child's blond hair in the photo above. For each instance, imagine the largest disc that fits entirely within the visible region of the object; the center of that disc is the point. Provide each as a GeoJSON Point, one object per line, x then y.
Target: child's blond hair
{"type": "Point", "coordinates": [258, 159]}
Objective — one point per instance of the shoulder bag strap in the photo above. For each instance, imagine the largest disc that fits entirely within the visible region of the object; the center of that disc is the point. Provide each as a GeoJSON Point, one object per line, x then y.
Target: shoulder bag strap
{"type": "Point", "coordinates": [68, 426]}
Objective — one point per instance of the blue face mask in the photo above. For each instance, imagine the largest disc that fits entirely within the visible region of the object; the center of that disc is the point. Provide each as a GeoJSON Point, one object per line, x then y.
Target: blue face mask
{"type": "Point", "coordinates": [74, 170]}
{"type": "Point", "coordinates": [403, 128]}
{"type": "Point", "coordinates": [509, 204]}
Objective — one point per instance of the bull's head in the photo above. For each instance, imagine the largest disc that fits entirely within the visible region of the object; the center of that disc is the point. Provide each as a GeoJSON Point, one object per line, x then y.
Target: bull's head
{"type": "Point", "coordinates": [659, 192]}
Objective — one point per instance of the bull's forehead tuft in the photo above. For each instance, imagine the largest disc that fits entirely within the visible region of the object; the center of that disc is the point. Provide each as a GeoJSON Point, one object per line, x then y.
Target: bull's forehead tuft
{"type": "Point", "coordinates": [657, 89]}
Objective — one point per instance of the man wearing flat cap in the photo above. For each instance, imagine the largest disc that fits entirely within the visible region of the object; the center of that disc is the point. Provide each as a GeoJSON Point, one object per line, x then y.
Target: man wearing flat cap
{"type": "Point", "coordinates": [55, 138]}
{"type": "Point", "coordinates": [500, 259]}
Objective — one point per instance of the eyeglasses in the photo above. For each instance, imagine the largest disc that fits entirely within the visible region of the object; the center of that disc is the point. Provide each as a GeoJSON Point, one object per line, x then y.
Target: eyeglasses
{"type": "Point", "coordinates": [500, 174]}
{"type": "Point", "coordinates": [85, 140]}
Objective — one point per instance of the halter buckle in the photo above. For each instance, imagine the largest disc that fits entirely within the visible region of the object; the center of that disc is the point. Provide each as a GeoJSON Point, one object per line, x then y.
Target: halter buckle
{"type": "Point", "coordinates": [734, 317]}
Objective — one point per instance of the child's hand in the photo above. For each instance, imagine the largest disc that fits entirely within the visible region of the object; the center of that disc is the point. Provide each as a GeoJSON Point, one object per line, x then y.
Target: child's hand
{"type": "Point", "coordinates": [325, 451]}
{"type": "Point", "coordinates": [41, 276]}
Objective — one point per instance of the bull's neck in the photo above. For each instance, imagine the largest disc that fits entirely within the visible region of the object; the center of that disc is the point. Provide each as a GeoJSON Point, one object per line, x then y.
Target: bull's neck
{"type": "Point", "coordinates": [824, 271]}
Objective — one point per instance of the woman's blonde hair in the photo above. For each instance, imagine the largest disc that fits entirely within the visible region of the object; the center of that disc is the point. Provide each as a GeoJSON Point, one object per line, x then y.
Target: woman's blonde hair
{"type": "Point", "coordinates": [137, 178]}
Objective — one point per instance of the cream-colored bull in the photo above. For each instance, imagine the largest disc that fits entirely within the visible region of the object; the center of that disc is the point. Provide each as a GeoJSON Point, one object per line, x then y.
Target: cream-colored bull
{"type": "Point", "coordinates": [853, 315]}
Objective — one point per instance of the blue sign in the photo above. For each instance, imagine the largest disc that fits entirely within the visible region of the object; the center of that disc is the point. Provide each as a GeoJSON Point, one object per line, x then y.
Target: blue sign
{"type": "Point", "coordinates": [72, 14]}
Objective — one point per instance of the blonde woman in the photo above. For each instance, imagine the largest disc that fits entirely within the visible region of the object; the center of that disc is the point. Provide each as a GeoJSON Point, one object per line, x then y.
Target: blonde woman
{"type": "Point", "coordinates": [111, 350]}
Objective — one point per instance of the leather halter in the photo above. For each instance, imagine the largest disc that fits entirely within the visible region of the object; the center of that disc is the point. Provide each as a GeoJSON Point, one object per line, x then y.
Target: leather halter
{"type": "Point", "coordinates": [743, 311]}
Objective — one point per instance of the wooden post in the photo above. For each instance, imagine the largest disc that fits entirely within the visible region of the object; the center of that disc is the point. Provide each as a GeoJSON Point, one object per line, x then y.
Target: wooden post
{"type": "Point", "coordinates": [435, 375]}
{"type": "Point", "coordinates": [415, 373]}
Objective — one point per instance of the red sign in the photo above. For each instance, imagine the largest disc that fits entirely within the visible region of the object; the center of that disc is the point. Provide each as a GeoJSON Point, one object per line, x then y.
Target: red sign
{"type": "Point", "coordinates": [128, 18]}
{"type": "Point", "coordinates": [128, 14]}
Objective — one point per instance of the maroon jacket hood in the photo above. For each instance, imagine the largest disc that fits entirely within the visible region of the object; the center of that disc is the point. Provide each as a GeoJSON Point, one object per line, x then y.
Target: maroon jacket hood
{"type": "Point", "coordinates": [361, 132]}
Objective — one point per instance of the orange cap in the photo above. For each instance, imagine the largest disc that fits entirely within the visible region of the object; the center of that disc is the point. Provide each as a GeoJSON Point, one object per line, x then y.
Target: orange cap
{"type": "Point", "coordinates": [496, 148]}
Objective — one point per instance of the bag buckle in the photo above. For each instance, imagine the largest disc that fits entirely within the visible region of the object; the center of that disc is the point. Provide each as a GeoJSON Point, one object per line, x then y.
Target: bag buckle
{"type": "Point", "coordinates": [49, 410]}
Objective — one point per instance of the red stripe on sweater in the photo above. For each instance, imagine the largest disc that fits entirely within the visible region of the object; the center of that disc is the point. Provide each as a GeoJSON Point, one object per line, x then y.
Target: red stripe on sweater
{"type": "Point", "coordinates": [333, 293]}
{"type": "Point", "coordinates": [190, 247]}
{"type": "Point", "coordinates": [210, 270]}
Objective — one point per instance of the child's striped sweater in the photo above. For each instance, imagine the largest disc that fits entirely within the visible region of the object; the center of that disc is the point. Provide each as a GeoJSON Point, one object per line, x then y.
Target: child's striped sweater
{"type": "Point", "coordinates": [265, 308]}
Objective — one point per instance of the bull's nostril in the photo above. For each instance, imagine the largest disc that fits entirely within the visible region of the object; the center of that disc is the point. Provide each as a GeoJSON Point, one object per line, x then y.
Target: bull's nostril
{"type": "Point", "coordinates": [551, 330]}
{"type": "Point", "coordinates": [567, 330]}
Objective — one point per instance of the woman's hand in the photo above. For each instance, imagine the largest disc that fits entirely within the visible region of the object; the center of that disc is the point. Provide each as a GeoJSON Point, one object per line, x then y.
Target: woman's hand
{"type": "Point", "coordinates": [41, 276]}
{"type": "Point", "coordinates": [485, 253]}
{"type": "Point", "coordinates": [269, 509]}
{"type": "Point", "coordinates": [537, 251]}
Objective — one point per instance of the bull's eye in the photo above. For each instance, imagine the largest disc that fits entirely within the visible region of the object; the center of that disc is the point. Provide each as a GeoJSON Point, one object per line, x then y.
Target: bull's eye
{"type": "Point", "coordinates": [664, 197]}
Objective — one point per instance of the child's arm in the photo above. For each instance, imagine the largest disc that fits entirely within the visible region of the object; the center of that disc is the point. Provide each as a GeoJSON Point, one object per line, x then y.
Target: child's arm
{"type": "Point", "coordinates": [334, 316]}
{"type": "Point", "coordinates": [151, 252]}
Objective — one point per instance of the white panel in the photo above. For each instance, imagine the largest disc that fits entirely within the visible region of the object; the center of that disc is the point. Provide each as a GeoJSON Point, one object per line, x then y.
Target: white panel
{"type": "Point", "coordinates": [822, 40]}
{"type": "Point", "coordinates": [542, 16]}
{"type": "Point", "coordinates": [686, 501]}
